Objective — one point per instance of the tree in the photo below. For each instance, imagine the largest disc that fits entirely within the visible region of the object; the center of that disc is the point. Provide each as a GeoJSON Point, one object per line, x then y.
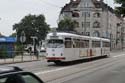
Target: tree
{"type": "Point", "coordinates": [32, 25]}
{"type": "Point", "coordinates": [120, 9]}
{"type": "Point", "coordinates": [1, 35]}
{"type": "Point", "coordinates": [13, 35]}
{"type": "Point", "coordinates": [66, 25]}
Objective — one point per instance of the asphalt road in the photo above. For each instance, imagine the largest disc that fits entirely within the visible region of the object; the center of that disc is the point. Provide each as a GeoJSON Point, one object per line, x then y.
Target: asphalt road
{"type": "Point", "coordinates": [102, 70]}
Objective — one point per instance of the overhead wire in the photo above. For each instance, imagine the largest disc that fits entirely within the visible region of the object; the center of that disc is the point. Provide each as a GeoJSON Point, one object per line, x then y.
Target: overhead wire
{"type": "Point", "coordinates": [51, 4]}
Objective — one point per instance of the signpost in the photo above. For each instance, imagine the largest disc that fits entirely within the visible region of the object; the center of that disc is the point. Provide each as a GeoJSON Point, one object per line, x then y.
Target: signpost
{"type": "Point", "coordinates": [22, 40]}
{"type": "Point", "coordinates": [22, 37]}
{"type": "Point", "coordinates": [34, 43]}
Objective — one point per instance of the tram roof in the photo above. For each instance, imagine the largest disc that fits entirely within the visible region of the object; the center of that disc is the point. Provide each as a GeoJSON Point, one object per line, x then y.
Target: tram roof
{"type": "Point", "coordinates": [64, 34]}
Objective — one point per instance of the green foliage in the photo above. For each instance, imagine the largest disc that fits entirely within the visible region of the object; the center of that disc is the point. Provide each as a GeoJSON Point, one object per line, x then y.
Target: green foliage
{"type": "Point", "coordinates": [3, 53]}
{"type": "Point", "coordinates": [119, 1]}
{"type": "Point", "coordinates": [32, 25]}
{"type": "Point", "coordinates": [19, 49]}
{"type": "Point", "coordinates": [66, 25]}
{"type": "Point", "coordinates": [13, 35]}
{"type": "Point", "coordinates": [121, 9]}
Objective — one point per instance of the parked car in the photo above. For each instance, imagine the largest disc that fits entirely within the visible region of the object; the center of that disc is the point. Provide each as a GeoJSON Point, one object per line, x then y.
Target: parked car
{"type": "Point", "coordinates": [42, 51]}
{"type": "Point", "coordinates": [17, 75]}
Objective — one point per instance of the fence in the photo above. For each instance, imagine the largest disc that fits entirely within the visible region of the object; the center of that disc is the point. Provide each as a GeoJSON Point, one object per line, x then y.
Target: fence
{"type": "Point", "coordinates": [19, 56]}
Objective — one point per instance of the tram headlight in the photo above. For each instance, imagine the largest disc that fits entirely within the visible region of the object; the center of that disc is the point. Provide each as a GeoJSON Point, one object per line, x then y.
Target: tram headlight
{"type": "Point", "coordinates": [53, 54]}
{"type": "Point", "coordinates": [61, 54]}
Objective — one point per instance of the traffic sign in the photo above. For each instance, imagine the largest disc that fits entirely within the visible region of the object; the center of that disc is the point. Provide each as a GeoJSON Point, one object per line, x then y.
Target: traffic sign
{"type": "Point", "coordinates": [22, 37]}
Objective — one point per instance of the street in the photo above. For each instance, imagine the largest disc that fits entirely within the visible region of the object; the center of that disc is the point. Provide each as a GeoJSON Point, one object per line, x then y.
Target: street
{"type": "Point", "coordinates": [103, 70]}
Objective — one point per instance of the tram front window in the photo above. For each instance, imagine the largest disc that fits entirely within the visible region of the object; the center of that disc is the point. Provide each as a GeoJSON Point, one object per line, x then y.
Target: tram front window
{"type": "Point", "coordinates": [55, 43]}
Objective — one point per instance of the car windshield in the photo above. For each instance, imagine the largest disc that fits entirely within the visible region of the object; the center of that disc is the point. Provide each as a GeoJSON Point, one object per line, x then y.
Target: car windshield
{"type": "Point", "coordinates": [20, 78]}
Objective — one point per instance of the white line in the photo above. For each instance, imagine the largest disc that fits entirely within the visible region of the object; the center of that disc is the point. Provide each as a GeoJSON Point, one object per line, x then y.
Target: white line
{"type": "Point", "coordinates": [119, 55]}
{"type": "Point", "coordinates": [49, 71]}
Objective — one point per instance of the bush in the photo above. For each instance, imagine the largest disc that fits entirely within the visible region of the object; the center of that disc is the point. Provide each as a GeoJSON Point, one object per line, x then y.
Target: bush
{"type": "Point", "coordinates": [18, 49]}
{"type": "Point", "coordinates": [3, 53]}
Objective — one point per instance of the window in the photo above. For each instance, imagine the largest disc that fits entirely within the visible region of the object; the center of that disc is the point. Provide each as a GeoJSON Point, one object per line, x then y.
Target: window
{"type": "Point", "coordinates": [96, 44]}
{"type": "Point", "coordinates": [86, 24]}
{"type": "Point", "coordinates": [30, 79]}
{"type": "Point", "coordinates": [96, 34]}
{"type": "Point", "coordinates": [66, 14]}
{"type": "Point", "coordinates": [76, 43]}
{"type": "Point", "coordinates": [76, 24]}
{"type": "Point", "coordinates": [97, 15]}
{"type": "Point", "coordinates": [85, 14]}
{"type": "Point", "coordinates": [20, 78]}
{"type": "Point", "coordinates": [96, 24]}
{"type": "Point", "coordinates": [86, 4]}
{"type": "Point", "coordinates": [106, 44]}
{"type": "Point", "coordinates": [68, 43]}
{"type": "Point", "coordinates": [86, 43]}
{"type": "Point", "coordinates": [87, 33]}
{"type": "Point", "coordinates": [75, 14]}
{"type": "Point", "coordinates": [55, 43]}
{"type": "Point", "coordinates": [79, 43]}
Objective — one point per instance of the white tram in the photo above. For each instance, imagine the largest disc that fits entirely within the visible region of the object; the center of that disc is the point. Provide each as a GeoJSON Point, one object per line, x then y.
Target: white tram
{"type": "Point", "coordinates": [64, 47]}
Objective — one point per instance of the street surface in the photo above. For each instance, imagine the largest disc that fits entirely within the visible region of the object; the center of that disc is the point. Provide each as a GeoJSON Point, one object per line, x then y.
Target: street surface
{"type": "Point", "coordinates": [103, 70]}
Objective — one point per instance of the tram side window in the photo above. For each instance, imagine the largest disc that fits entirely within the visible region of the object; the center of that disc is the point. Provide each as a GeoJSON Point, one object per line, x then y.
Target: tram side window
{"type": "Point", "coordinates": [106, 44]}
{"type": "Point", "coordinates": [86, 43]}
{"type": "Point", "coordinates": [76, 43]}
{"type": "Point", "coordinates": [68, 43]}
{"type": "Point", "coordinates": [96, 44]}
{"type": "Point", "coordinates": [81, 44]}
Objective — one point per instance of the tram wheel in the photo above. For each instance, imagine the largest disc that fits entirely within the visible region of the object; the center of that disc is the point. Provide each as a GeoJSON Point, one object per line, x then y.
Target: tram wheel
{"type": "Point", "coordinates": [58, 62]}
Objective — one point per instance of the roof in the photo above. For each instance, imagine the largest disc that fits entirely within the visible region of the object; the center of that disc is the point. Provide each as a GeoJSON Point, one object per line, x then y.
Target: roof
{"type": "Point", "coordinates": [97, 4]}
{"type": "Point", "coordinates": [71, 4]}
{"type": "Point", "coordinates": [64, 34]}
{"type": "Point", "coordinates": [8, 69]}
{"type": "Point", "coordinates": [8, 39]}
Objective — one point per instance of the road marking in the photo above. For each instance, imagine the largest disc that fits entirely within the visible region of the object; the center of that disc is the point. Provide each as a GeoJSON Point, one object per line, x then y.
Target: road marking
{"type": "Point", "coordinates": [49, 71]}
{"type": "Point", "coordinates": [119, 55]}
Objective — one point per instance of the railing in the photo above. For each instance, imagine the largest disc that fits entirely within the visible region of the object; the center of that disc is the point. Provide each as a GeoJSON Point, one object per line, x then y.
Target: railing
{"type": "Point", "coordinates": [19, 56]}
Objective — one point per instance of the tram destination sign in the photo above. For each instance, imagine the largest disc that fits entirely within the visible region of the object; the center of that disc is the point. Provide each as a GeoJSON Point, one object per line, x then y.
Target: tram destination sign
{"type": "Point", "coordinates": [54, 37]}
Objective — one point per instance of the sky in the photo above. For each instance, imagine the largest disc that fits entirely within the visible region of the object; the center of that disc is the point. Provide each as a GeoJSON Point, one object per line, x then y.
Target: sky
{"type": "Point", "coordinates": [12, 11]}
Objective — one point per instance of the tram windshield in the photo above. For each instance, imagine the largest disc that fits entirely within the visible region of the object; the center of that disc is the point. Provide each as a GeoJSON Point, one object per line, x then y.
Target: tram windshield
{"type": "Point", "coordinates": [55, 43]}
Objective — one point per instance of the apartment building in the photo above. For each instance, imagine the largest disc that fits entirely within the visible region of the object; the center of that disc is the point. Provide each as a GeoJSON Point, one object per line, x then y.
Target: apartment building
{"type": "Point", "coordinates": [94, 18]}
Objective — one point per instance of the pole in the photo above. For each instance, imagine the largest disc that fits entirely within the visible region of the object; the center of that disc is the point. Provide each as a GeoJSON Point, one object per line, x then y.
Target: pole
{"type": "Point", "coordinates": [122, 37]}
{"type": "Point", "coordinates": [22, 52]}
{"type": "Point", "coordinates": [85, 23]}
{"type": "Point", "coordinates": [34, 45]}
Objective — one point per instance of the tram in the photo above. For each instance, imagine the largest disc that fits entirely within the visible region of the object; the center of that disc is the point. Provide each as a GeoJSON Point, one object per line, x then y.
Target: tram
{"type": "Point", "coordinates": [64, 47]}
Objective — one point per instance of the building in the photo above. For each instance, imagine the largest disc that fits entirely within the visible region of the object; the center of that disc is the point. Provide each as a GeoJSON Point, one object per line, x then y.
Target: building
{"type": "Point", "coordinates": [123, 34]}
{"type": "Point", "coordinates": [94, 18]}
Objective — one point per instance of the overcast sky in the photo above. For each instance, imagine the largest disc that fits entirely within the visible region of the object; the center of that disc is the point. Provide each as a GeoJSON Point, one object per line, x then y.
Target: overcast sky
{"type": "Point", "coordinates": [12, 11]}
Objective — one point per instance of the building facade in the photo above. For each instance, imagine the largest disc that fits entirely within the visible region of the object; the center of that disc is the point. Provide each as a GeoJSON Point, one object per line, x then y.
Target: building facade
{"type": "Point", "coordinates": [94, 18]}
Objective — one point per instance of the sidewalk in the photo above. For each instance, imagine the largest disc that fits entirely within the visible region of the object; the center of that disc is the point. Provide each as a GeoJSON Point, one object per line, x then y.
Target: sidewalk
{"type": "Point", "coordinates": [28, 58]}
{"type": "Point", "coordinates": [20, 59]}
{"type": "Point", "coordinates": [117, 52]}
